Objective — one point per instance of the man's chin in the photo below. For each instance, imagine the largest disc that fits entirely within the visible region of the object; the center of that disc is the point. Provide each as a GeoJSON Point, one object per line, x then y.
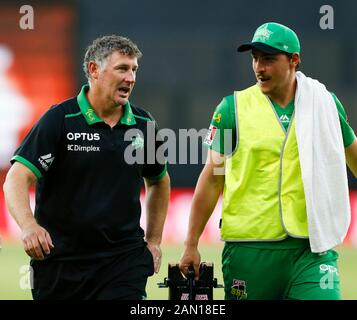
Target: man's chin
{"type": "Point", "coordinates": [263, 89]}
{"type": "Point", "coordinates": [121, 101]}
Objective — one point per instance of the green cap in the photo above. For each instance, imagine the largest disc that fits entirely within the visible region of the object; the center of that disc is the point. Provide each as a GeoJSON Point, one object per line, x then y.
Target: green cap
{"type": "Point", "coordinates": [272, 37]}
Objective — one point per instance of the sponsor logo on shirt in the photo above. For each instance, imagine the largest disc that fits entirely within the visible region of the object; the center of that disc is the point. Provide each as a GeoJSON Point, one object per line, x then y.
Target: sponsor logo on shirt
{"type": "Point", "coordinates": [76, 147]}
{"type": "Point", "coordinates": [84, 136]}
{"type": "Point", "coordinates": [210, 135]}
{"type": "Point", "coordinates": [284, 118]}
{"type": "Point", "coordinates": [46, 160]}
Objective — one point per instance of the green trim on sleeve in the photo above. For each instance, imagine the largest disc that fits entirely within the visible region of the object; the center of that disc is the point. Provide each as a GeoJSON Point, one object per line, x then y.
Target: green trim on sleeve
{"type": "Point", "coordinates": [29, 165]}
{"type": "Point", "coordinates": [347, 132]}
{"type": "Point", "coordinates": [158, 177]}
{"type": "Point", "coordinates": [223, 119]}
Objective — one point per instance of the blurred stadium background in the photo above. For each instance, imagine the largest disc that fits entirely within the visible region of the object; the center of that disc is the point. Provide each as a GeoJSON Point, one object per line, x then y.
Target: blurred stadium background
{"type": "Point", "coordinates": [189, 64]}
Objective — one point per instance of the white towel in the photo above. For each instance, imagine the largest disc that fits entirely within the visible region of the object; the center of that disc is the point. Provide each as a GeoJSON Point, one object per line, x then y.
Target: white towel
{"type": "Point", "coordinates": [323, 164]}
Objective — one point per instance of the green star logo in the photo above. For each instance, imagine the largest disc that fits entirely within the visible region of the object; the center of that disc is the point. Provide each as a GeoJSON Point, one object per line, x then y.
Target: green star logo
{"type": "Point", "coordinates": [138, 142]}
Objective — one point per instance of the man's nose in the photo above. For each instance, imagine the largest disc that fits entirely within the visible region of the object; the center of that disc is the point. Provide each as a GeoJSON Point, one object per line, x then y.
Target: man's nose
{"type": "Point", "coordinates": [130, 76]}
{"type": "Point", "coordinates": [259, 65]}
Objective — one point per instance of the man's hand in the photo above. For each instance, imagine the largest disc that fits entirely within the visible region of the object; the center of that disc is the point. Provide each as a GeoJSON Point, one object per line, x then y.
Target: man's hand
{"type": "Point", "coordinates": [209, 186]}
{"type": "Point", "coordinates": [190, 257]}
{"type": "Point", "coordinates": [37, 241]}
{"type": "Point", "coordinates": [156, 255]}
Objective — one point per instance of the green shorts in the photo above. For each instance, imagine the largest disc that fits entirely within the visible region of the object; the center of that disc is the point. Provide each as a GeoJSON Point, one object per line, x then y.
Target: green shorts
{"type": "Point", "coordinates": [282, 270]}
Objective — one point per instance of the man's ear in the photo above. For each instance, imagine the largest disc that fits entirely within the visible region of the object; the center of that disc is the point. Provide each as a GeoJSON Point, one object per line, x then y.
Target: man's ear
{"type": "Point", "coordinates": [93, 69]}
{"type": "Point", "coordinates": [295, 59]}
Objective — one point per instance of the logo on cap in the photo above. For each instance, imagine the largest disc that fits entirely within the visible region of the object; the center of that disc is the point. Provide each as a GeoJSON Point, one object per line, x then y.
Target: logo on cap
{"type": "Point", "coordinates": [272, 37]}
{"type": "Point", "coordinates": [263, 34]}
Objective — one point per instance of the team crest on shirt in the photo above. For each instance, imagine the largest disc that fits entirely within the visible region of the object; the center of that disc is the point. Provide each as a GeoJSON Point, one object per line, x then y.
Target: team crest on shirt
{"type": "Point", "coordinates": [138, 142]}
{"type": "Point", "coordinates": [210, 135]}
{"type": "Point", "coordinates": [90, 114]}
{"type": "Point", "coordinates": [217, 117]}
{"type": "Point", "coordinates": [239, 289]}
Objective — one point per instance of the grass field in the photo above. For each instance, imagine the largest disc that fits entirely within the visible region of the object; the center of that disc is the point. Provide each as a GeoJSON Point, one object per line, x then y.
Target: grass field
{"type": "Point", "coordinates": [12, 258]}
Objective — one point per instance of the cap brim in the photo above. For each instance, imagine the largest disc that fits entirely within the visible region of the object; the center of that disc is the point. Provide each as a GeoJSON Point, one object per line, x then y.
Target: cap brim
{"type": "Point", "coordinates": [259, 46]}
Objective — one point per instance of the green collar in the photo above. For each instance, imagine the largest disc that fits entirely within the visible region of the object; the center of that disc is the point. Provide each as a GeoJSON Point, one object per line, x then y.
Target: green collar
{"type": "Point", "coordinates": [289, 107]}
{"type": "Point", "coordinates": [90, 115]}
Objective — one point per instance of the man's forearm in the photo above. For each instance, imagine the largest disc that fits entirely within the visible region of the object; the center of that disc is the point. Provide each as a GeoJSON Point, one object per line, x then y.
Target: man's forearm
{"type": "Point", "coordinates": [157, 201]}
{"type": "Point", "coordinates": [36, 240]}
{"type": "Point", "coordinates": [17, 198]}
{"type": "Point", "coordinates": [207, 192]}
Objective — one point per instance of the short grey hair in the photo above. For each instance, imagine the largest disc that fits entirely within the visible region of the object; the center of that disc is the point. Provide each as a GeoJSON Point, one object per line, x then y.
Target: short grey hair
{"type": "Point", "coordinates": [103, 47]}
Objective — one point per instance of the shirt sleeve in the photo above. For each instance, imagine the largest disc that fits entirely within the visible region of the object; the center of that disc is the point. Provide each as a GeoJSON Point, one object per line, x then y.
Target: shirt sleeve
{"type": "Point", "coordinates": [40, 147]}
{"type": "Point", "coordinates": [155, 170]}
{"type": "Point", "coordinates": [347, 132]}
{"type": "Point", "coordinates": [221, 135]}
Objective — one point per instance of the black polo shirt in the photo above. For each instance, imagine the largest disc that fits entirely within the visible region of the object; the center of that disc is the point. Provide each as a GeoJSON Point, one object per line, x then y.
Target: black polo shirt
{"type": "Point", "coordinates": [87, 192]}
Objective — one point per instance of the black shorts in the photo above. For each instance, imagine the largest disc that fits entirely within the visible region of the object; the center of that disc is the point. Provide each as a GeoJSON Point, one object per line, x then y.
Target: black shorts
{"type": "Point", "coordinates": [120, 277]}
